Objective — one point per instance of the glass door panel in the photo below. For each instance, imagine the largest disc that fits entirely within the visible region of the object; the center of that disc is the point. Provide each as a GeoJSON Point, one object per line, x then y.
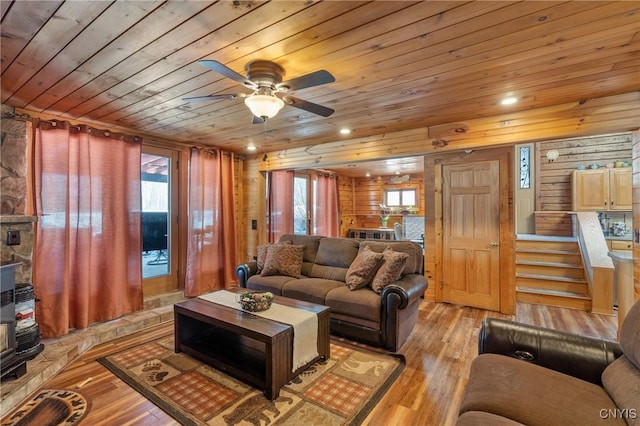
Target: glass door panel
{"type": "Point", "coordinates": [159, 232]}
{"type": "Point", "coordinates": [301, 205]}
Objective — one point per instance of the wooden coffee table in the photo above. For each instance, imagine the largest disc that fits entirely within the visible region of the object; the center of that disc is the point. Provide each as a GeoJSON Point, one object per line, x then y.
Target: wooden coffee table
{"type": "Point", "coordinates": [255, 350]}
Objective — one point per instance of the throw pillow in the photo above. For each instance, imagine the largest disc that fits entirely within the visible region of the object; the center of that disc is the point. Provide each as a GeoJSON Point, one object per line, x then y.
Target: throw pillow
{"type": "Point", "coordinates": [362, 268]}
{"type": "Point", "coordinates": [283, 259]}
{"type": "Point", "coordinates": [393, 263]}
{"type": "Point", "coordinates": [262, 254]}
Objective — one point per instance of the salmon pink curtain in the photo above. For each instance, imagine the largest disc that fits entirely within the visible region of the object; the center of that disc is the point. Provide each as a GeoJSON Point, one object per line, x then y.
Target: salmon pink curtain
{"type": "Point", "coordinates": [280, 204]}
{"type": "Point", "coordinates": [211, 235]}
{"type": "Point", "coordinates": [327, 206]}
{"type": "Point", "coordinates": [87, 264]}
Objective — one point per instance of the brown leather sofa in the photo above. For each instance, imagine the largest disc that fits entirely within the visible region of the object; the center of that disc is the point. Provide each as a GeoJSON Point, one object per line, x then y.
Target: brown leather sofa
{"type": "Point", "coordinates": [384, 319]}
{"type": "Point", "coordinates": [536, 376]}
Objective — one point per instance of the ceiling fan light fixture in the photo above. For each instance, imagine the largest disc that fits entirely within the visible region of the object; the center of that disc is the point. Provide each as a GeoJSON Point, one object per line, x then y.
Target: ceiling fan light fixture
{"type": "Point", "coordinates": [264, 106]}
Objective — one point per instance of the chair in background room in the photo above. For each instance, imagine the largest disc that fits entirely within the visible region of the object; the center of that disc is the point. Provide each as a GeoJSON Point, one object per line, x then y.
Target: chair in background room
{"type": "Point", "coordinates": [398, 231]}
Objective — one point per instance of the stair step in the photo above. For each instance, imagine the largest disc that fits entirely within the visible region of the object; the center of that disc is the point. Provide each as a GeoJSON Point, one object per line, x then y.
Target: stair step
{"type": "Point", "coordinates": [568, 294]}
{"type": "Point", "coordinates": [549, 277]}
{"type": "Point", "coordinates": [555, 270]}
{"type": "Point", "coordinates": [568, 258]}
{"type": "Point", "coordinates": [556, 285]}
{"type": "Point", "coordinates": [550, 271]}
{"type": "Point", "coordinates": [549, 264]}
{"type": "Point", "coordinates": [547, 238]}
{"type": "Point", "coordinates": [548, 251]}
{"type": "Point", "coordinates": [551, 245]}
{"type": "Point", "coordinates": [562, 299]}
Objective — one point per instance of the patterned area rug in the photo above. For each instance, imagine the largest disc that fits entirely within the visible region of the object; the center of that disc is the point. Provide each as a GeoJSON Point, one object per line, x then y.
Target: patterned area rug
{"type": "Point", "coordinates": [339, 391]}
{"type": "Point", "coordinates": [50, 408]}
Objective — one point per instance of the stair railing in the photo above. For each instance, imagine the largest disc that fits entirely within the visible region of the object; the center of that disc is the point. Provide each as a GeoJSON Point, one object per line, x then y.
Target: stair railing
{"type": "Point", "coordinates": [598, 265]}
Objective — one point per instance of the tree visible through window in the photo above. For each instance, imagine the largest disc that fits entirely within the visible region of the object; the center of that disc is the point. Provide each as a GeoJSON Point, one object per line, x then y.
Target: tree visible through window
{"type": "Point", "coordinates": [300, 205]}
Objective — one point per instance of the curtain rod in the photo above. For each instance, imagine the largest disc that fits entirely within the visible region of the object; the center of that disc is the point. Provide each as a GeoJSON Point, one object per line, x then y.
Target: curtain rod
{"type": "Point", "coordinates": [54, 122]}
{"type": "Point", "coordinates": [26, 117]}
{"type": "Point", "coordinates": [212, 150]}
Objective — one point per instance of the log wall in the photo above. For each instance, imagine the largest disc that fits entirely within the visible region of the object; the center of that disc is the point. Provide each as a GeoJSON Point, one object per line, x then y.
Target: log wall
{"type": "Point", "coordinates": [553, 183]}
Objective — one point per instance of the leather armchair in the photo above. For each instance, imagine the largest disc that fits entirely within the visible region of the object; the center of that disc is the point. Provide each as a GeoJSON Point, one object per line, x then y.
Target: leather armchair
{"type": "Point", "coordinates": [528, 375]}
{"type": "Point", "coordinates": [578, 356]}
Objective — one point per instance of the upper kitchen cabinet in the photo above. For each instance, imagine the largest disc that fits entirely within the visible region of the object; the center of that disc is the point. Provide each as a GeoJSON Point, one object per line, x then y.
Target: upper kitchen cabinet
{"type": "Point", "coordinates": [602, 189]}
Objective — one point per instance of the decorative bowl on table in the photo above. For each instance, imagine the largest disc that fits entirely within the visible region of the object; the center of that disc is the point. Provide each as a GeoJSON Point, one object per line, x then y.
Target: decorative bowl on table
{"type": "Point", "coordinates": [255, 301]}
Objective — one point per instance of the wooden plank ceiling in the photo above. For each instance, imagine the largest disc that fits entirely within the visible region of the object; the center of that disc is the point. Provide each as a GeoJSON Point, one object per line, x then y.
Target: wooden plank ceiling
{"type": "Point", "coordinates": [398, 65]}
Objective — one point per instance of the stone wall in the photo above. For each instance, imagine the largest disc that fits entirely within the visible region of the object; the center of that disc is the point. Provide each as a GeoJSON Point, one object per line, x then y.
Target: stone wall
{"type": "Point", "coordinates": [13, 195]}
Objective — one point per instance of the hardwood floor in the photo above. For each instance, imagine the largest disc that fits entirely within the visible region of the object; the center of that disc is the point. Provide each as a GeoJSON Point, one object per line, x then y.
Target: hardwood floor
{"type": "Point", "coordinates": [428, 392]}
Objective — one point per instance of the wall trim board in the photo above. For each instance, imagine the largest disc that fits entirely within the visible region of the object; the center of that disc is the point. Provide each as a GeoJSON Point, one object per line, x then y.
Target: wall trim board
{"type": "Point", "coordinates": [612, 114]}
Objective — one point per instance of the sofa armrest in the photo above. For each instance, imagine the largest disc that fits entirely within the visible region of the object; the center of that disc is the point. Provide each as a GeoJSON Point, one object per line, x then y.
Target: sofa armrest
{"type": "Point", "coordinates": [245, 270]}
{"type": "Point", "coordinates": [578, 356]}
{"type": "Point", "coordinates": [408, 289]}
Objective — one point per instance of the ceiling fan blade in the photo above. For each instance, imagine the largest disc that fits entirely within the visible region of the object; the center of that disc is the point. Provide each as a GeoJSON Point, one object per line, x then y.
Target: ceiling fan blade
{"type": "Point", "coordinates": [227, 72]}
{"type": "Point", "coordinates": [309, 80]}
{"type": "Point", "coordinates": [212, 97]}
{"type": "Point", "coordinates": [308, 106]}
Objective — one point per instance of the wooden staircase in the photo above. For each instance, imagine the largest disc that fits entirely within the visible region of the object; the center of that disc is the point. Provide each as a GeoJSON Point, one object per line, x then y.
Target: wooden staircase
{"type": "Point", "coordinates": [550, 271]}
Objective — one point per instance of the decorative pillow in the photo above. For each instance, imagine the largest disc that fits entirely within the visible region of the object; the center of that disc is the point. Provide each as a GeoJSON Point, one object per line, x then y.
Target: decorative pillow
{"type": "Point", "coordinates": [283, 259]}
{"type": "Point", "coordinates": [362, 268]}
{"type": "Point", "coordinates": [393, 263]}
{"type": "Point", "coordinates": [262, 254]}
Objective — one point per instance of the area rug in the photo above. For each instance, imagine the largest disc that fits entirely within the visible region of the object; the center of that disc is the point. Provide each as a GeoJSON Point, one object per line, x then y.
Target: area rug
{"type": "Point", "coordinates": [339, 391]}
{"type": "Point", "coordinates": [50, 408]}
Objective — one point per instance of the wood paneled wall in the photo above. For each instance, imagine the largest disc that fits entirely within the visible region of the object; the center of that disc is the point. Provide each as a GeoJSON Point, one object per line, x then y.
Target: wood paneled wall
{"type": "Point", "coordinates": [253, 204]}
{"type": "Point", "coordinates": [553, 182]}
{"type": "Point", "coordinates": [636, 211]}
{"type": "Point", "coordinates": [608, 115]}
{"type": "Point", "coordinates": [369, 194]}
{"type": "Point", "coordinates": [347, 204]}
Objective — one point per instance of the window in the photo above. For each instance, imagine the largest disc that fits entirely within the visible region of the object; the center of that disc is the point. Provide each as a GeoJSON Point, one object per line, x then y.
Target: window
{"type": "Point", "coordinates": [525, 170]}
{"type": "Point", "coordinates": [400, 197]}
{"type": "Point", "coordinates": [301, 205]}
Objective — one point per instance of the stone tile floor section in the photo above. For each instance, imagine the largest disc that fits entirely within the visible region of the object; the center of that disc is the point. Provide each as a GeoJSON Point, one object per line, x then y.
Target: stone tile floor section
{"type": "Point", "coordinates": [61, 351]}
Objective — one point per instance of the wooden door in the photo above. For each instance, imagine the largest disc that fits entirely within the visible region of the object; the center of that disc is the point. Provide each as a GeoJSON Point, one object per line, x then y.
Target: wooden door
{"type": "Point", "coordinates": [471, 226]}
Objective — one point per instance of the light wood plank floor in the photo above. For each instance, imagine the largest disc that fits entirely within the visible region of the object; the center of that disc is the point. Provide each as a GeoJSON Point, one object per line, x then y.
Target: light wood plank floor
{"type": "Point", "coordinates": [429, 391]}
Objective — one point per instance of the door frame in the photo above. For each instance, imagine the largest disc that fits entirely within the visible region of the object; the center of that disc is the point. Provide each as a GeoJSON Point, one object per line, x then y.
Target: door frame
{"type": "Point", "coordinates": [434, 219]}
{"type": "Point", "coordinates": [170, 282]}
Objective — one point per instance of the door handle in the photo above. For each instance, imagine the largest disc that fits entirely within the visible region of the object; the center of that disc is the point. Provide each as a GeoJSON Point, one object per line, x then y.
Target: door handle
{"type": "Point", "coordinates": [492, 244]}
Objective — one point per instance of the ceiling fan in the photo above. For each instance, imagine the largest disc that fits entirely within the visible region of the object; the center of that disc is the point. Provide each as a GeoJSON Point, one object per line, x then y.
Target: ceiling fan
{"type": "Point", "coordinates": [268, 97]}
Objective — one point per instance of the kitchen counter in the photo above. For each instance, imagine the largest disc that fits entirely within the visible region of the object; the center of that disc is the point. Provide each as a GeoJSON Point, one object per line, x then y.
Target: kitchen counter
{"type": "Point", "coordinates": [625, 237]}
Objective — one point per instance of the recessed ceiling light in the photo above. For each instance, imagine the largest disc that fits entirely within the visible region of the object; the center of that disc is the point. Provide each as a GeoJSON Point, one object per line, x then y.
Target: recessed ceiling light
{"type": "Point", "coordinates": [251, 147]}
{"type": "Point", "coordinates": [509, 101]}
{"type": "Point", "coordinates": [345, 131]}
{"type": "Point", "coordinates": [367, 174]}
